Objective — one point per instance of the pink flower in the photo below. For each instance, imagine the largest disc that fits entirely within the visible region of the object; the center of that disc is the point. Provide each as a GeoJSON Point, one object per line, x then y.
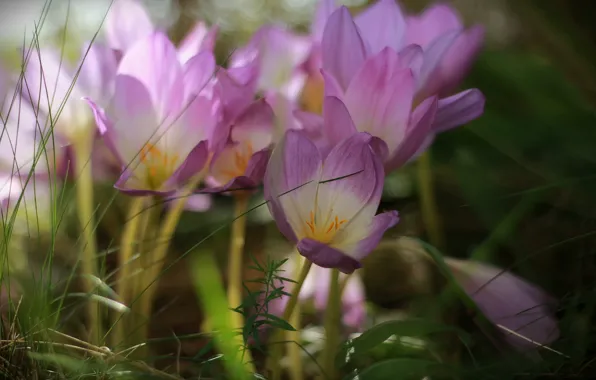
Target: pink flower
{"type": "Point", "coordinates": [509, 301]}
{"type": "Point", "coordinates": [277, 55]}
{"type": "Point", "coordinates": [379, 99]}
{"type": "Point", "coordinates": [160, 124]}
{"type": "Point", "coordinates": [240, 164]}
{"type": "Point", "coordinates": [327, 207]}
{"type": "Point", "coordinates": [128, 22]}
{"type": "Point", "coordinates": [348, 43]}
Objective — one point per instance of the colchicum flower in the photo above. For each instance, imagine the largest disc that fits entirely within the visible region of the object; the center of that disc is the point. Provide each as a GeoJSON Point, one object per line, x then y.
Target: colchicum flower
{"type": "Point", "coordinates": [327, 207]}
{"type": "Point", "coordinates": [348, 44]}
{"type": "Point", "coordinates": [128, 21]}
{"type": "Point", "coordinates": [159, 122]}
{"type": "Point", "coordinates": [509, 301]}
{"type": "Point", "coordinates": [245, 132]}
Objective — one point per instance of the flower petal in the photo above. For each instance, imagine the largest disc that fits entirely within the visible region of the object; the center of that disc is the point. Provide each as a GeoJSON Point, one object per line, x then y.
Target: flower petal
{"type": "Point", "coordinates": [291, 182]}
{"type": "Point", "coordinates": [510, 301]}
{"type": "Point", "coordinates": [161, 75]}
{"type": "Point", "coordinates": [126, 23]}
{"type": "Point", "coordinates": [324, 10]}
{"type": "Point", "coordinates": [380, 98]}
{"type": "Point", "coordinates": [198, 71]}
{"type": "Point", "coordinates": [459, 58]}
{"type": "Point", "coordinates": [380, 224]}
{"type": "Point", "coordinates": [420, 127]}
{"type": "Point", "coordinates": [200, 39]}
{"type": "Point", "coordinates": [459, 109]}
{"type": "Point", "coordinates": [432, 23]}
{"type": "Point", "coordinates": [433, 56]}
{"type": "Point", "coordinates": [344, 51]}
{"type": "Point", "coordinates": [192, 165]}
{"type": "Point", "coordinates": [327, 257]}
{"type": "Point", "coordinates": [382, 25]}
{"type": "Point", "coordinates": [97, 72]}
{"type": "Point", "coordinates": [350, 189]}
{"type": "Point", "coordinates": [338, 124]}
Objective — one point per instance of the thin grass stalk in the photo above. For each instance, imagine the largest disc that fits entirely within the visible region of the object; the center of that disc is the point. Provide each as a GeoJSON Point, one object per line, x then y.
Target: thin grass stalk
{"type": "Point", "coordinates": [85, 210]}
{"type": "Point", "coordinates": [235, 259]}
{"type": "Point", "coordinates": [428, 203]}
{"type": "Point", "coordinates": [125, 255]}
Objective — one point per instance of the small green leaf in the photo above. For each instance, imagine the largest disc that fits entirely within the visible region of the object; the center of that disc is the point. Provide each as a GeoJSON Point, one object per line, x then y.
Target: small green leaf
{"type": "Point", "coordinates": [380, 333]}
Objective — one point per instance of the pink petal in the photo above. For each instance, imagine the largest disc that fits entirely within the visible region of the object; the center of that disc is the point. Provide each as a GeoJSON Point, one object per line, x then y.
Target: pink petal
{"type": "Point", "coordinates": [199, 39]}
{"type": "Point", "coordinates": [352, 177]}
{"type": "Point", "coordinates": [324, 11]}
{"type": "Point", "coordinates": [382, 25]}
{"type": "Point", "coordinates": [459, 59]}
{"type": "Point", "coordinates": [459, 109]}
{"type": "Point", "coordinates": [161, 74]}
{"type": "Point", "coordinates": [198, 71]}
{"type": "Point", "coordinates": [434, 22]}
{"type": "Point", "coordinates": [354, 303]}
{"type": "Point", "coordinates": [97, 72]}
{"type": "Point", "coordinates": [332, 87]}
{"type": "Point", "coordinates": [338, 124]}
{"type": "Point", "coordinates": [47, 81]}
{"type": "Point", "coordinates": [420, 127]}
{"type": "Point", "coordinates": [292, 172]}
{"type": "Point", "coordinates": [380, 224]}
{"type": "Point", "coordinates": [380, 99]}
{"type": "Point", "coordinates": [326, 256]}
{"type": "Point", "coordinates": [344, 51]}
{"type": "Point", "coordinates": [429, 82]}
{"type": "Point", "coordinates": [126, 23]}
{"type": "Point", "coordinates": [199, 202]}
{"type": "Point", "coordinates": [193, 164]}
{"type": "Point", "coordinates": [510, 301]}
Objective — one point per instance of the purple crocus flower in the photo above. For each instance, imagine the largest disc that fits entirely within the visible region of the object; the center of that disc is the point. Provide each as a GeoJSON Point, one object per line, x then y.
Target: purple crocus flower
{"type": "Point", "coordinates": [379, 99]}
{"type": "Point", "coordinates": [348, 43]}
{"type": "Point", "coordinates": [278, 55]}
{"type": "Point", "coordinates": [327, 207]}
{"type": "Point", "coordinates": [159, 122]}
{"type": "Point", "coordinates": [128, 21]}
{"type": "Point", "coordinates": [509, 301]}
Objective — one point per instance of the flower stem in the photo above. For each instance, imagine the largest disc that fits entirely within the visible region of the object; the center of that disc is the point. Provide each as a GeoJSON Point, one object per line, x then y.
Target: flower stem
{"type": "Point", "coordinates": [332, 324]}
{"type": "Point", "coordinates": [294, 350]}
{"type": "Point", "coordinates": [85, 204]}
{"type": "Point", "coordinates": [127, 249]}
{"type": "Point", "coordinates": [273, 364]}
{"type": "Point", "coordinates": [430, 213]}
{"type": "Point", "coordinates": [235, 257]}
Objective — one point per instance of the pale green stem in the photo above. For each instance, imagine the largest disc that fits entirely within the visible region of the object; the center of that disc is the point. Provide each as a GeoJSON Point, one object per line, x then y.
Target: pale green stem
{"type": "Point", "coordinates": [294, 351]}
{"type": "Point", "coordinates": [235, 261]}
{"type": "Point", "coordinates": [85, 206]}
{"type": "Point", "coordinates": [274, 358]}
{"type": "Point", "coordinates": [430, 213]}
{"type": "Point", "coordinates": [127, 248]}
{"type": "Point", "coordinates": [332, 326]}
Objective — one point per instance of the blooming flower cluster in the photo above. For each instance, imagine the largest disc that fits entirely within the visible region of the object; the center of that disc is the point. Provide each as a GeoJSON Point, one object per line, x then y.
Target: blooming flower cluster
{"type": "Point", "coordinates": [161, 116]}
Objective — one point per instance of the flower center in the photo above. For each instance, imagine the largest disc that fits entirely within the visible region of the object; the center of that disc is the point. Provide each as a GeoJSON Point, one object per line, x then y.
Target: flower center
{"type": "Point", "coordinates": [239, 163]}
{"type": "Point", "coordinates": [323, 232]}
{"type": "Point", "coordinates": [158, 165]}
